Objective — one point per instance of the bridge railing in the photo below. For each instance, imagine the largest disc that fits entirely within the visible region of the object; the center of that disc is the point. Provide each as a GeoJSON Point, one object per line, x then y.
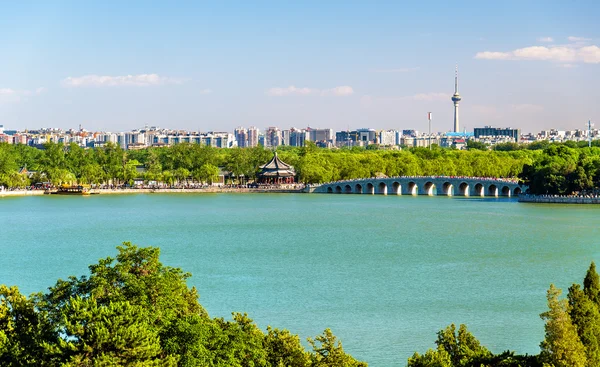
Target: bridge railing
{"type": "Point", "coordinates": [487, 179]}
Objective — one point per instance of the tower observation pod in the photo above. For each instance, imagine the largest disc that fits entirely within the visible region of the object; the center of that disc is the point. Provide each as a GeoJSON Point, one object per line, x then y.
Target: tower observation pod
{"type": "Point", "coordinates": [456, 99]}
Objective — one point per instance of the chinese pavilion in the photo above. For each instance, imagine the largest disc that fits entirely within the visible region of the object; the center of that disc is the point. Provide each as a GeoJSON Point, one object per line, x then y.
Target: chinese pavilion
{"type": "Point", "coordinates": [276, 172]}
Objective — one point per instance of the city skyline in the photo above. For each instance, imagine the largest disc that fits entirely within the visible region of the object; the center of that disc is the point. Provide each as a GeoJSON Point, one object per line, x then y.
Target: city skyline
{"type": "Point", "coordinates": [339, 65]}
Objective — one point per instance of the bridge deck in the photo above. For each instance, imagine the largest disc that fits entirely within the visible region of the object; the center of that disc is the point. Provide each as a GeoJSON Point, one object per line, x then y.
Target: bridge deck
{"type": "Point", "coordinates": [424, 185]}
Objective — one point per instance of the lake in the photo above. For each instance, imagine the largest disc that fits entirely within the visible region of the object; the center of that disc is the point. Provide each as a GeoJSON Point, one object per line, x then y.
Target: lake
{"type": "Point", "coordinates": [385, 273]}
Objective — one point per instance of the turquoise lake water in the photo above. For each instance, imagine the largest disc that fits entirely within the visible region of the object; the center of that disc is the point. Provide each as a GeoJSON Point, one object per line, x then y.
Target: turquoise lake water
{"type": "Point", "coordinates": [385, 273]}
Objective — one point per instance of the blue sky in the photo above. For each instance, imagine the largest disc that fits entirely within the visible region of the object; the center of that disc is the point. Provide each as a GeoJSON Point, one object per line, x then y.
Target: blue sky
{"type": "Point", "coordinates": [116, 65]}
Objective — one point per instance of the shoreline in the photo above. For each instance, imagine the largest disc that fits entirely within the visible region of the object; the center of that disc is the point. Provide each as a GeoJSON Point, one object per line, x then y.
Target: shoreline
{"type": "Point", "coordinates": [216, 190]}
{"type": "Point", "coordinates": [549, 199]}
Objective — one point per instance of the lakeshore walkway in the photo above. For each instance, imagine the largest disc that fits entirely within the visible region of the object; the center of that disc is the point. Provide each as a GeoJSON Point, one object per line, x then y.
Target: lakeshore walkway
{"type": "Point", "coordinates": [560, 199]}
{"type": "Point", "coordinates": [207, 190]}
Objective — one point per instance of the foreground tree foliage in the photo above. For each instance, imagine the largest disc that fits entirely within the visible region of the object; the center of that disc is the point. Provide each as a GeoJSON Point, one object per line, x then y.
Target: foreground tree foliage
{"type": "Point", "coordinates": [133, 311]}
{"type": "Point", "coordinates": [572, 337]}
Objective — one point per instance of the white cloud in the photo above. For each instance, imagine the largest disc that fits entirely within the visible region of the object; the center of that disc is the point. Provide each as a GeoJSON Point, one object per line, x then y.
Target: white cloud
{"type": "Point", "coordinates": [571, 53]}
{"type": "Point", "coordinates": [568, 66]}
{"type": "Point", "coordinates": [140, 80]}
{"type": "Point", "coordinates": [7, 92]}
{"type": "Point", "coordinates": [206, 91]}
{"type": "Point", "coordinates": [546, 39]}
{"type": "Point", "coordinates": [295, 91]}
{"type": "Point", "coordinates": [578, 39]}
{"type": "Point", "coordinates": [430, 97]}
{"type": "Point", "coordinates": [289, 91]}
{"type": "Point", "coordinates": [338, 91]}
{"type": "Point", "coordinates": [590, 54]}
{"type": "Point", "coordinates": [9, 95]}
{"type": "Point", "coordinates": [399, 70]}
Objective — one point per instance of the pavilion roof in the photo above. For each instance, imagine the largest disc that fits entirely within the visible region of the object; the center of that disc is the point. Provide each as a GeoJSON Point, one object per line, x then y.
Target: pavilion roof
{"type": "Point", "coordinates": [277, 168]}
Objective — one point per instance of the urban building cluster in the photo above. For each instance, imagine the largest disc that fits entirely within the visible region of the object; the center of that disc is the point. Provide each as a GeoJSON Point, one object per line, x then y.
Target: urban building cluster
{"type": "Point", "coordinates": [274, 136]}
{"type": "Point", "coordinates": [295, 137]}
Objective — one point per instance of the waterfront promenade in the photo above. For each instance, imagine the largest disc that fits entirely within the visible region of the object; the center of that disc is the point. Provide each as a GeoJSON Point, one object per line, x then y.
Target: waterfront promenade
{"type": "Point", "coordinates": [560, 199]}
{"type": "Point", "coordinates": [167, 190]}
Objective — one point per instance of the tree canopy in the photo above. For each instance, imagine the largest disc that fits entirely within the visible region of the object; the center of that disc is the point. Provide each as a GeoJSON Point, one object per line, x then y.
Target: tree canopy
{"type": "Point", "coordinates": [132, 310]}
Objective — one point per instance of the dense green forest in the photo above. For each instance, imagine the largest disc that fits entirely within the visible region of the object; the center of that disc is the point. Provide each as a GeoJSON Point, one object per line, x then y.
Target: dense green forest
{"type": "Point", "coordinates": [572, 336]}
{"type": "Point", "coordinates": [546, 168]}
{"type": "Point", "coordinates": [133, 311]}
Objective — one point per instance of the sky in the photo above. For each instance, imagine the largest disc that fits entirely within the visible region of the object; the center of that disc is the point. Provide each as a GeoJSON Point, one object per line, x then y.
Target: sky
{"type": "Point", "coordinates": [214, 66]}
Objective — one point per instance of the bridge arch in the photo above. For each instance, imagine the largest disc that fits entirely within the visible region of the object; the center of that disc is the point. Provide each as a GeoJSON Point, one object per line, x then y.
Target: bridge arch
{"type": "Point", "coordinates": [382, 188]}
{"type": "Point", "coordinates": [329, 190]}
{"type": "Point", "coordinates": [505, 191]}
{"type": "Point", "coordinates": [347, 189]}
{"type": "Point", "coordinates": [463, 189]}
{"type": "Point", "coordinates": [448, 189]}
{"type": "Point", "coordinates": [412, 188]}
{"type": "Point", "coordinates": [358, 189]}
{"type": "Point", "coordinates": [396, 188]}
{"type": "Point", "coordinates": [429, 188]}
{"type": "Point", "coordinates": [338, 189]}
{"type": "Point", "coordinates": [479, 189]}
{"type": "Point", "coordinates": [493, 190]}
{"type": "Point", "coordinates": [517, 191]}
{"type": "Point", "coordinates": [370, 188]}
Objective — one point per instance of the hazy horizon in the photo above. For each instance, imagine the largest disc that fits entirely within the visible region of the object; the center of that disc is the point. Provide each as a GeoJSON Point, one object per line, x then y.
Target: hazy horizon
{"type": "Point", "coordinates": [112, 66]}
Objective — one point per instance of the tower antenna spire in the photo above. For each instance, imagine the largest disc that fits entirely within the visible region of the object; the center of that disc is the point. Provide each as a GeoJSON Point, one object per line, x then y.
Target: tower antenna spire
{"type": "Point", "coordinates": [456, 79]}
{"type": "Point", "coordinates": [456, 99]}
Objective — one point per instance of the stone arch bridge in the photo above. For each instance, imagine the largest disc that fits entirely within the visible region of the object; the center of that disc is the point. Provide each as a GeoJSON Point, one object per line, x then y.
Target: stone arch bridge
{"type": "Point", "coordinates": [424, 185]}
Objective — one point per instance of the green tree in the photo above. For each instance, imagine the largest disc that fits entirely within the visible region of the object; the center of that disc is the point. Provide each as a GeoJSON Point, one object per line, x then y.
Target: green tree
{"type": "Point", "coordinates": [110, 334]}
{"type": "Point", "coordinates": [462, 347]}
{"type": "Point", "coordinates": [476, 145]}
{"type": "Point", "coordinates": [591, 284]}
{"type": "Point", "coordinates": [137, 276]}
{"type": "Point", "coordinates": [586, 319]}
{"type": "Point", "coordinates": [431, 358]}
{"type": "Point", "coordinates": [328, 352]}
{"type": "Point", "coordinates": [561, 346]}
{"type": "Point", "coordinates": [207, 173]}
{"type": "Point", "coordinates": [25, 334]}
{"type": "Point", "coordinates": [181, 174]}
{"type": "Point", "coordinates": [238, 162]}
{"type": "Point", "coordinates": [284, 349]}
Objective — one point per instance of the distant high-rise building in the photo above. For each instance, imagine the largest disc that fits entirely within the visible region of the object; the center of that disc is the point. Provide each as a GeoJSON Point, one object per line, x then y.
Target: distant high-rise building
{"type": "Point", "coordinates": [252, 137]}
{"type": "Point", "coordinates": [298, 137]}
{"type": "Point", "coordinates": [285, 137]}
{"type": "Point", "coordinates": [366, 136]}
{"type": "Point", "coordinates": [273, 137]}
{"type": "Point", "coordinates": [490, 131]}
{"type": "Point", "coordinates": [387, 137]}
{"type": "Point", "coordinates": [456, 99]}
{"type": "Point", "coordinates": [241, 135]}
{"type": "Point", "coordinates": [411, 133]}
{"type": "Point", "coordinates": [320, 135]}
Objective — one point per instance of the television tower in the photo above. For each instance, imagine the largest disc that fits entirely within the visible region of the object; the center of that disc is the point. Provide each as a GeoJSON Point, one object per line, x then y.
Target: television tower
{"type": "Point", "coordinates": [456, 99]}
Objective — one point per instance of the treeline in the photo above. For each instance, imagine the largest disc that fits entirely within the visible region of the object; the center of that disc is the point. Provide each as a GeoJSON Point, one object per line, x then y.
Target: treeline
{"type": "Point", "coordinates": [133, 311]}
{"type": "Point", "coordinates": [563, 170]}
{"type": "Point", "coordinates": [572, 337]}
{"type": "Point", "coordinates": [546, 168]}
{"type": "Point", "coordinates": [58, 164]}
